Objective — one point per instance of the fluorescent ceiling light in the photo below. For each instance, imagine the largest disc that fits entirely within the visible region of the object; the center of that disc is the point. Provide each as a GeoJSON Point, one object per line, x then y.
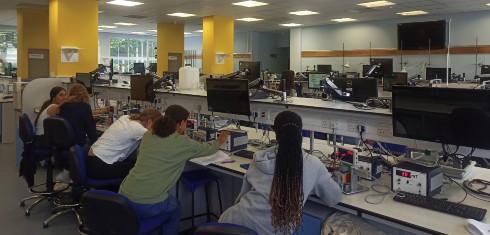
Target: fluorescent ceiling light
{"type": "Point", "coordinates": [488, 4]}
{"type": "Point", "coordinates": [198, 31]}
{"type": "Point", "coordinates": [290, 25]}
{"type": "Point", "coordinates": [250, 4]}
{"type": "Point", "coordinates": [125, 24]}
{"type": "Point", "coordinates": [125, 3]}
{"type": "Point", "coordinates": [151, 30]}
{"type": "Point", "coordinates": [99, 30]}
{"type": "Point", "coordinates": [101, 12]}
{"type": "Point", "coordinates": [181, 14]}
{"type": "Point", "coordinates": [344, 20]}
{"type": "Point", "coordinates": [140, 33]}
{"type": "Point", "coordinates": [376, 4]}
{"type": "Point", "coordinates": [187, 33]}
{"type": "Point", "coordinates": [249, 19]}
{"type": "Point", "coordinates": [303, 13]}
{"type": "Point", "coordinates": [412, 13]}
{"type": "Point", "coordinates": [107, 26]}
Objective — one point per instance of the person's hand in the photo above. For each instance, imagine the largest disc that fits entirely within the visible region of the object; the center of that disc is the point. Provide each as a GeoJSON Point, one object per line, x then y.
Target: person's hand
{"type": "Point", "coordinates": [223, 136]}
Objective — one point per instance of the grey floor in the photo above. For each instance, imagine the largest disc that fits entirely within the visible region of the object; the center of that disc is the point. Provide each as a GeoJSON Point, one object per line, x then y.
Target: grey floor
{"type": "Point", "coordinates": [12, 218]}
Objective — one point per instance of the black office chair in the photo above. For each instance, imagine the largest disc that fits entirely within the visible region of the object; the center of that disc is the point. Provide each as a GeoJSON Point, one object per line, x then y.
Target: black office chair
{"type": "Point", "coordinates": [31, 155]}
{"type": "Point", "coordinates": [109, 213]}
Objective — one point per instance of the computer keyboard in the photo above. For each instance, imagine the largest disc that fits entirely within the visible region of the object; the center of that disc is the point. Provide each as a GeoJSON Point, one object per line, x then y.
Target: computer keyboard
{"type": "Point", "coordinates": [245, 153]}
{"type": "Point", "coordinates": [440, 205]}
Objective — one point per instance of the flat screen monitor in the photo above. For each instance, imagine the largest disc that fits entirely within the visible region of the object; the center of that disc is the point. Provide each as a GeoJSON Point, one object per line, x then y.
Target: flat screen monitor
{"type": "Point", "coordinates": [8, 69]}
{"type": "Point", "coordinates": [153, 67]}
{"type": "Point", "coordinates": [324, 68]}
{"type": "Point", "coordinates": [444, 115]}
{"type": "Point", "coordinates": [395, 78]}
{"type": "Point", "coordinates": [139, 68]}
{"type": "Point", "coordinates": [101, 68]}
{"type": "Point", "coordinates": [386, 66]}
{"type": "Point", "coordinates": [417, 35]}
{"type": "Point", "coordinates": [86, 80]}
{"type": "Point", "coordinates": [437, 73]}
{"type": "Point", "coordinates": [249, 70]}
{"type": "Point", "coordinates": [315, 78]}
{"type": "Point", "coordinates": [361, 89]}
{"type": "Point", "coordinates": [485, 69]}
{"type": "Point", "coordinates": [142, 88]}
{"type": "Point", "coordinates": [228, 96]}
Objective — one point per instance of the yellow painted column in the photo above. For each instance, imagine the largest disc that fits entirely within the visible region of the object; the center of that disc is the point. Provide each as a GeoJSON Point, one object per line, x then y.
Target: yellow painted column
{"type": "Point", "coordinates": [170, 39]}
{"type": "Point", "coordinates": [32, 32]}
{"type": "Point", "coordinates": [218, 37]}
{"type": "Point", "coordinates": [73, 24]}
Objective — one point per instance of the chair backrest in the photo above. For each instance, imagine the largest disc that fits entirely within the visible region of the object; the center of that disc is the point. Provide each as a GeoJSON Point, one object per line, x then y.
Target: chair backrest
{"type": "Point", "coordinates": [26, 130]}
{"type": "Point", "coordinates": [223, 229]}
{"type": "Point", "coordinates": [59, 132]}
{"type": "Point", "coordinates": [107, 213]}
{"type": "Point", "coordinates": [78, 169]}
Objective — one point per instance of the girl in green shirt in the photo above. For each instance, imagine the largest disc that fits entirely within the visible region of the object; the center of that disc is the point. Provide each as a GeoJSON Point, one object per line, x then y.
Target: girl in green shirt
{"type": "Point", "coordinates": [162, 155]}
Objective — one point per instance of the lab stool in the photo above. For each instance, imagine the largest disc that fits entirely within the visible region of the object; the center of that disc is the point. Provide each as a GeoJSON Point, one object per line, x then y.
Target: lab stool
{"type": "Point", "coordinates": [195, 179]}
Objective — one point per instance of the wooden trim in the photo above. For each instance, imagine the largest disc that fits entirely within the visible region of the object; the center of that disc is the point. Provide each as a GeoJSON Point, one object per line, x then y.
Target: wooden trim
{"type": "Point", "coordinates": [393, 52]}
{"type": "Point", "coordinates": [235, 56]}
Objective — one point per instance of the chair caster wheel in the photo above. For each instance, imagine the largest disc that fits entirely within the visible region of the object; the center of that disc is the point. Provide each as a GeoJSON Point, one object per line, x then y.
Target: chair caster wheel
{"type": "Point", "coordinates": [27, 214]}
{"type": "Point", "coordinates": [22, 204]}
{"type": "Point", "coordinates": [45, 225]}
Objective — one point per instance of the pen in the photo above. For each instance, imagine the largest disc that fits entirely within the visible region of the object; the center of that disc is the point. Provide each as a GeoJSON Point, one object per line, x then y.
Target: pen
{"type": "Point", "coordinates": [228, 161]}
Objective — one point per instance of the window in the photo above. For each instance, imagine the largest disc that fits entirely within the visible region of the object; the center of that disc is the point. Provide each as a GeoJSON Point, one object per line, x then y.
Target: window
{"type": "Point", "coordinates": [126, 52]}
{"type": "Point", "coordinates": [8, 47]}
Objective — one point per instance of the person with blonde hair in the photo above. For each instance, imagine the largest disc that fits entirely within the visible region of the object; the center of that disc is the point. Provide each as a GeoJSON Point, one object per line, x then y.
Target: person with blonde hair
{"type": "Point", "coordinates": [111, 156]}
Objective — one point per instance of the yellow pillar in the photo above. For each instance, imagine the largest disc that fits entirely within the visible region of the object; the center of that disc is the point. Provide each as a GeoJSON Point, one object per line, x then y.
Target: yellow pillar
{"type": "Point", "coordinates": [74, 24]}
{"type": "Point", "coordinates": [32, 33]}
{"type": "Point", "coordinates": [170, 39]}
{"type": "Point", "coordinates": [218, 33]}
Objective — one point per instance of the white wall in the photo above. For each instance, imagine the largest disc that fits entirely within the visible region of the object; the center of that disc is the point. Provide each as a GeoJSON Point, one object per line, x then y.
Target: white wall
{"type": "Point", "coordinates": [464, 28]}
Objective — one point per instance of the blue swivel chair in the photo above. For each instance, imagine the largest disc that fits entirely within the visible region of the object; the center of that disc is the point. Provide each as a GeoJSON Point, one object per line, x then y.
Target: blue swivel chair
{"type": "Point", "coordinates": [31, 155]}
{"type": "Point", "coordinates": [109, 213]}
{"type": "Point", "coordinates": [195, 179]}
{"type": "Point", "coordinates": [223, 229]}
{"type": "Point", "coordinates": [81, 183]}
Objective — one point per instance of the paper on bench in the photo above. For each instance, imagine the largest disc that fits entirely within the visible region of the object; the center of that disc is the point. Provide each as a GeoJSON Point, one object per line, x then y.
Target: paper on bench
{"type": "Point", "coordinates": [217, 157]}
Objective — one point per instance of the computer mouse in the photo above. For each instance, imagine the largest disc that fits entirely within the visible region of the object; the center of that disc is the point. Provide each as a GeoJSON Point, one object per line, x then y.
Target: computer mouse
{"type": "Point", "coordinates": [477, 228]}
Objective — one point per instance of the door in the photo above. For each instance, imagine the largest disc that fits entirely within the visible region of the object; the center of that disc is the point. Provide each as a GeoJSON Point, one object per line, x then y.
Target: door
{"type": "Point", "coordinates": [174, 62]}
{"type": "Point", "coordinates": [38, 63]}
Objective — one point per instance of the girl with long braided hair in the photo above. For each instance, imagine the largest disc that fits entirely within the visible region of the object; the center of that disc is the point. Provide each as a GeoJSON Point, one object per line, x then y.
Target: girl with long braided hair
{"type": "Point", "coordinates": [279, 181]}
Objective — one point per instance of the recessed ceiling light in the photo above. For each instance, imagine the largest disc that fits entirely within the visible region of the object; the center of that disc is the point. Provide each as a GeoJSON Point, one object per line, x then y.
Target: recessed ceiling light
{"type": "Point", "coordinates": [140, 33]}
{"type": "Point", "coordinates": [198, 31]}
{"type": "Point", "coordinates": [290, 25]}
{"type": "Point", "coordinates": [181, 14]}
{"type": "Point", "coordinates": [151, 30]}
{"type": "Point", "coordinates": [125, 3]}
{"type": "Point", "coordinates": [412, 13]}
{"type": "Point", "coordinates": [303, 13]}
{"type": "Point", "coordinates": [125, 24]}
{"type": "Point", "coordinates": [344, 20]}
{"type": "Point", "coordinates": [99, 30]}
{"type": "Point", "coordinates": [101, 12]}
{"type": "Point", "coordinates": [488, 4]}
{"type": "Point", "coordinates": [249, 19]}
{"type": "Point", "coordinates": [250, 4]}
{"type": "Point", "coordinates": [187, 33]}
{"type": "Point", "coordinates": [376, 4]}
{"type": "Point", "coordinates": [107, 26]}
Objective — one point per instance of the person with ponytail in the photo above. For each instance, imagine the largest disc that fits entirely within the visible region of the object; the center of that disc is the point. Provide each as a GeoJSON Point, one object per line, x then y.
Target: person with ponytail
{"type": "Point", "coordinates": [57, 96]}
{"type": "Point", "coordinates": [279, 181]}
{"type": "Point", "coordinates": [109, 155]}
{"type": "Point", "coordinates": [162, 155]}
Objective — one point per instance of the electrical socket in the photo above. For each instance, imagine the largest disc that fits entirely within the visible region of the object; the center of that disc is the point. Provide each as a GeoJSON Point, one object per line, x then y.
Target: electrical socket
{"type": "Point", "coordinates": [326, 123]}
{"type": "Point", "coordinates": [334, 124]}
{"type": "Point", "coordinates": [385, 130]}
{"type": "Point", "coordinates": [352, 125]}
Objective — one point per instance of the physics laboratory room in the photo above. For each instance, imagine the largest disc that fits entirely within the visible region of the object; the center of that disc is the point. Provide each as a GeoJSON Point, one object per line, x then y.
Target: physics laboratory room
{"type": "Point", "coordinates": [245, 117]}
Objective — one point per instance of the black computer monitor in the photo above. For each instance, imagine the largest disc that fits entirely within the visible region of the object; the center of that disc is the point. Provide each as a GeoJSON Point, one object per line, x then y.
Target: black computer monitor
{"type": "Point", "coordinates": [361, 89]}
{"type": "Point", "coordinates": [142, 88]}
{"type": "Point", "coordinates": [386, 65]}
{"type": "Point", "coordinates": [139, 68]}
{"type": "Point", "coordinates": [485, 69]}
{"type": "Point", "coordinates": [395, 78]}
{"type": "Point", "coordinates": [437, 73]}
{"type": "Point", "coordinates": [324, 68]}
{"type": "Point", "coordinates": [101, 68]}
{"type": "Point", "coordinates": [153, 67]}
{"type": "Point", "coordinates": [249, 70]}
{"type": "Point", "coordinates": [315, 78]}
{"type": "Point", "coordinates": [228, 96]}
{"type": "Point", "coordinates": [8, 69]}
{"type": "Point", "coordinates": [86, 80]}
{"type": "Point", "coordinates": [445, 115]}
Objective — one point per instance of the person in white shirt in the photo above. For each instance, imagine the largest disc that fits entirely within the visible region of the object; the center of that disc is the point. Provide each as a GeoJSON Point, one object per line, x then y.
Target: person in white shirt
{"type": "Point", "coordinates": [111, 156]}
{"type": "Point", "coordinates": [57, 96]}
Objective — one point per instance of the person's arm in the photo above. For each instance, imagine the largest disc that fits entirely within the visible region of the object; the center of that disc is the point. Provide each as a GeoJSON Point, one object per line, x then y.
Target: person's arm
{"type": "Point", "coordinates": [53, 110]}
{"type": "Point", "coordinates": [89, 124]}
{"type": "Point", "coordinates": [326, 188]}
{"type": "Point", "coordinates": [100, 111]}
{"type": "Point", "coordinates": [198, 149]}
